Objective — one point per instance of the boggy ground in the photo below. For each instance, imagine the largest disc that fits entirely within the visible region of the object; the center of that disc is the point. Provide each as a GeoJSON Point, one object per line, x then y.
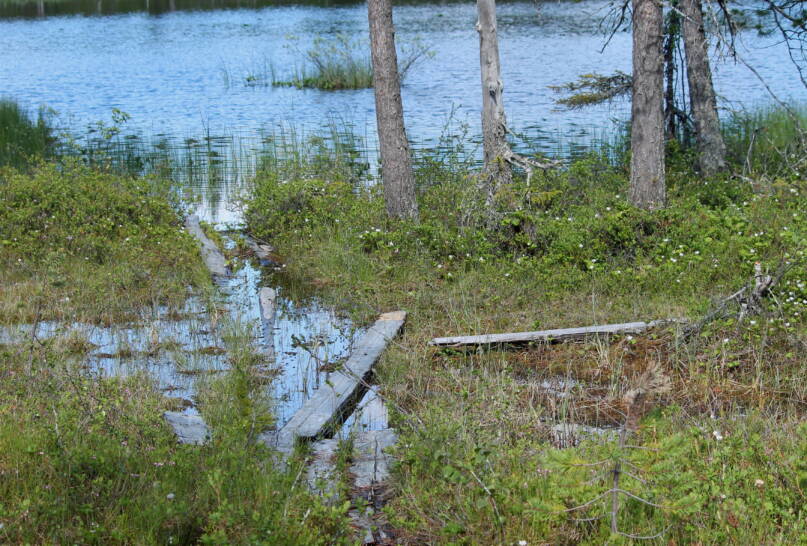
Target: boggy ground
{"type": "Point", "coordinates": [88, 459]}
{"type": "Point", "coordinates": [717, 442]}
{"type": "Point", "coordinates": [716, 445]}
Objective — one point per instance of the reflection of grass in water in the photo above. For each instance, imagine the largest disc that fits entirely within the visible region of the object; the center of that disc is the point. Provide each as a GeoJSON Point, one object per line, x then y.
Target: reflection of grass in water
{"type": "Point", "coordinates": [22, 137]}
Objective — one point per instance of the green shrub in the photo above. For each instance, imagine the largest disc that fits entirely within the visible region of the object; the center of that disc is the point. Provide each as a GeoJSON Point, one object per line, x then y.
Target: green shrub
{"type": "Point", "coordinates": [80, 235]}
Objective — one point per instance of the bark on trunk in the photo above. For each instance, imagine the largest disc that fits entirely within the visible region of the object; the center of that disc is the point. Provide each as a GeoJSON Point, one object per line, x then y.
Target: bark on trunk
{"type": "Point", "coordinates": [647, 186]}
{"type": "Point", "coordinates": [670, 39]}
{"type": "Point", "coordinates": [711, 148]}
{"type": "Point", "coordinates": [396, 164]}
{"type": "Point", "coordinates": [494, 124]}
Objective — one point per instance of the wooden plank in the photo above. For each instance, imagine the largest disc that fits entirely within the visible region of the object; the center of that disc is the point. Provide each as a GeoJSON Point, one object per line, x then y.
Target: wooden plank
{"type": "Point", "coordinates": [561, 334]}
{"type": "Point", "coordinates": [267, 298]}
{"type": "Point", "coordinates": [321, 474]}
{"type": "Point", "coordinates": [371, 464]}
{"type": "Point", "coordinates": [211, 255]}
{"type": "Point", "coordinates": [330, 403]}
{"type": "Point", "coordinates": [190, 429]}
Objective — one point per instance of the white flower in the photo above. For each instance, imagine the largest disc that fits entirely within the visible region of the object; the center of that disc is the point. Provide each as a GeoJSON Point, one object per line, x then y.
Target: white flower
{"type": "Point", "coordinates": [170, 496]}
{"type": "Point", "coordinates": [758, 482]}
{"type": "Point", "coordinates": [717, 435]}
{"type": "Point", "coordinates": [522, 543]}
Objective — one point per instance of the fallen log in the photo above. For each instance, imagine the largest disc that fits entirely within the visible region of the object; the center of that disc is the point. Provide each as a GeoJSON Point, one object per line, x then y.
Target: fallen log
{"type": "Point", "coordinates": [211, 255]}
{"type": "Point", "coordinates": [547, 336]}
{"type": "Point", "coordinates": [333, 401]}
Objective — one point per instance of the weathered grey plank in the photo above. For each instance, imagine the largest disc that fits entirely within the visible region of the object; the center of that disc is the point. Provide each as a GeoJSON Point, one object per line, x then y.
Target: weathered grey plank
{"type": "Point", "coordinates": [329, 404]}
{"type": "Point", "coordinates": [370, 462]}
{"type": "Point", "coordinates": [321, 474]}
{"type": "Point", "coordinates": [190, 429]}
{"type": "Point", "coordinates": [560, 334]}
{"type": "Point", "coordinates": [212, 256]}
{"type": "Point", "coordinates": [267, 298]}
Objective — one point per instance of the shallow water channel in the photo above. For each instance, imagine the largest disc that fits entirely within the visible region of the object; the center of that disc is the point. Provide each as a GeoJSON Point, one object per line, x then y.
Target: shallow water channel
{"type": "Point", "coordinates": [181, 355]}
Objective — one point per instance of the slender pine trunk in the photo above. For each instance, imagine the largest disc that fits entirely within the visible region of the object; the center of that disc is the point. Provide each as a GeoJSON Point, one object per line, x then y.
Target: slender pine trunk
{"type": "Point", "coordinates": [647, 184]}
{"type": "Point", "coordinates": [396, 163]}
{"type": "Point", "coordinates": [711, 148]}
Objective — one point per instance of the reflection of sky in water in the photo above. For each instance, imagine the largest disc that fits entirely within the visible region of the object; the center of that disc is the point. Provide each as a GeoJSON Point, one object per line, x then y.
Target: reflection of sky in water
{"type": "Point", "coordinates": [183, 362]}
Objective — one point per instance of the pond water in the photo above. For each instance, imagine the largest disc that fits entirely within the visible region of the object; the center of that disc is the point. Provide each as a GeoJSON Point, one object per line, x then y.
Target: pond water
{"type": "Point", "coordinates": [179, 67]}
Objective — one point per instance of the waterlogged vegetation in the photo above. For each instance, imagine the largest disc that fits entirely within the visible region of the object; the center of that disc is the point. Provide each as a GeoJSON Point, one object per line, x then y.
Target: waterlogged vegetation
{"type": "Point", "coordinates": [85, 457]}
{"type": "Point", "coordinates": [338, 63]}
{"type": "Point", "coordinates": [716, 447]}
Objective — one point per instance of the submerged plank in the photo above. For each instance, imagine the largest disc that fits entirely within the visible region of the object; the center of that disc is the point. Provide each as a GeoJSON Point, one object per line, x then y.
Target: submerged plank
{"type": "Point", "coordinates": [330, 403]}
{"type": "Point", "coordinates": [266, 298]}
{"type": "Point", "coordinates": [211, 255]}
{"type": "Point", "coordinates": [190, 429]}
{"type": "Point", "coordinates": [371, 464]}
{"type": "Point", "coordinates": [560, 334]}
{"type": "Point", "coordinates": [322, 474]}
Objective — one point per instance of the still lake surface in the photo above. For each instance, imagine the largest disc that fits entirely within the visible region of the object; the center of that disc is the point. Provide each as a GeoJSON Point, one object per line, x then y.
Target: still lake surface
{"type": "Point", "coordinates": [179, 67]}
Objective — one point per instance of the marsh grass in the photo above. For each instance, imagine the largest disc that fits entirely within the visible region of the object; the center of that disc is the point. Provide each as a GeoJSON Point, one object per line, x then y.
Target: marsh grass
{"type": "Point", "coordinates": [87, 458]}
{"type": "Point", "coordinates": [97, 464]}
{"type": "Point", "coordinates": [98, 245]}
{"type": "Point", "coordinates": [337, 63]}
{"type": "Point", "coordinates": [770, 142]}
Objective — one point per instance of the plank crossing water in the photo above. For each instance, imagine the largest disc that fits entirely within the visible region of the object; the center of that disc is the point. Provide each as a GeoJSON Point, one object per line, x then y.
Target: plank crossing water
{"type": "Point", "coordinates": [211, 255]}
{"type": "Point", "coordinates": [331, 402]}
{"type": "Point", "coordinates": [190, 429]}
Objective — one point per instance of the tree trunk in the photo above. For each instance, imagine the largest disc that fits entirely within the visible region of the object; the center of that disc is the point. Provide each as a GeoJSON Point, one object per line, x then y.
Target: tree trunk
{"type": "Point", "coordinates": [670, 40]}
{"type": "Point", "coordinates": [711, 148]}
{"type": "Point", "coordinates": [647, 186]}
{"type": "Point", "coordinates": [494, 124]}
{"type": "Point", "coordinates": [396, 164]}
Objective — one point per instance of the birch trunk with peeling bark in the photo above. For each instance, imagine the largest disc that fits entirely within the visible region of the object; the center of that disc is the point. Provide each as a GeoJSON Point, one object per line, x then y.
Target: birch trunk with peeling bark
{"type": "Point", "coordinates": [494, 123]}
{"type": "Point", "coordinates": [396, 164]}
{"type": "Point", "coordinates": [647, 184]}
{"type": "Point", "coordinates": [711, 148]}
